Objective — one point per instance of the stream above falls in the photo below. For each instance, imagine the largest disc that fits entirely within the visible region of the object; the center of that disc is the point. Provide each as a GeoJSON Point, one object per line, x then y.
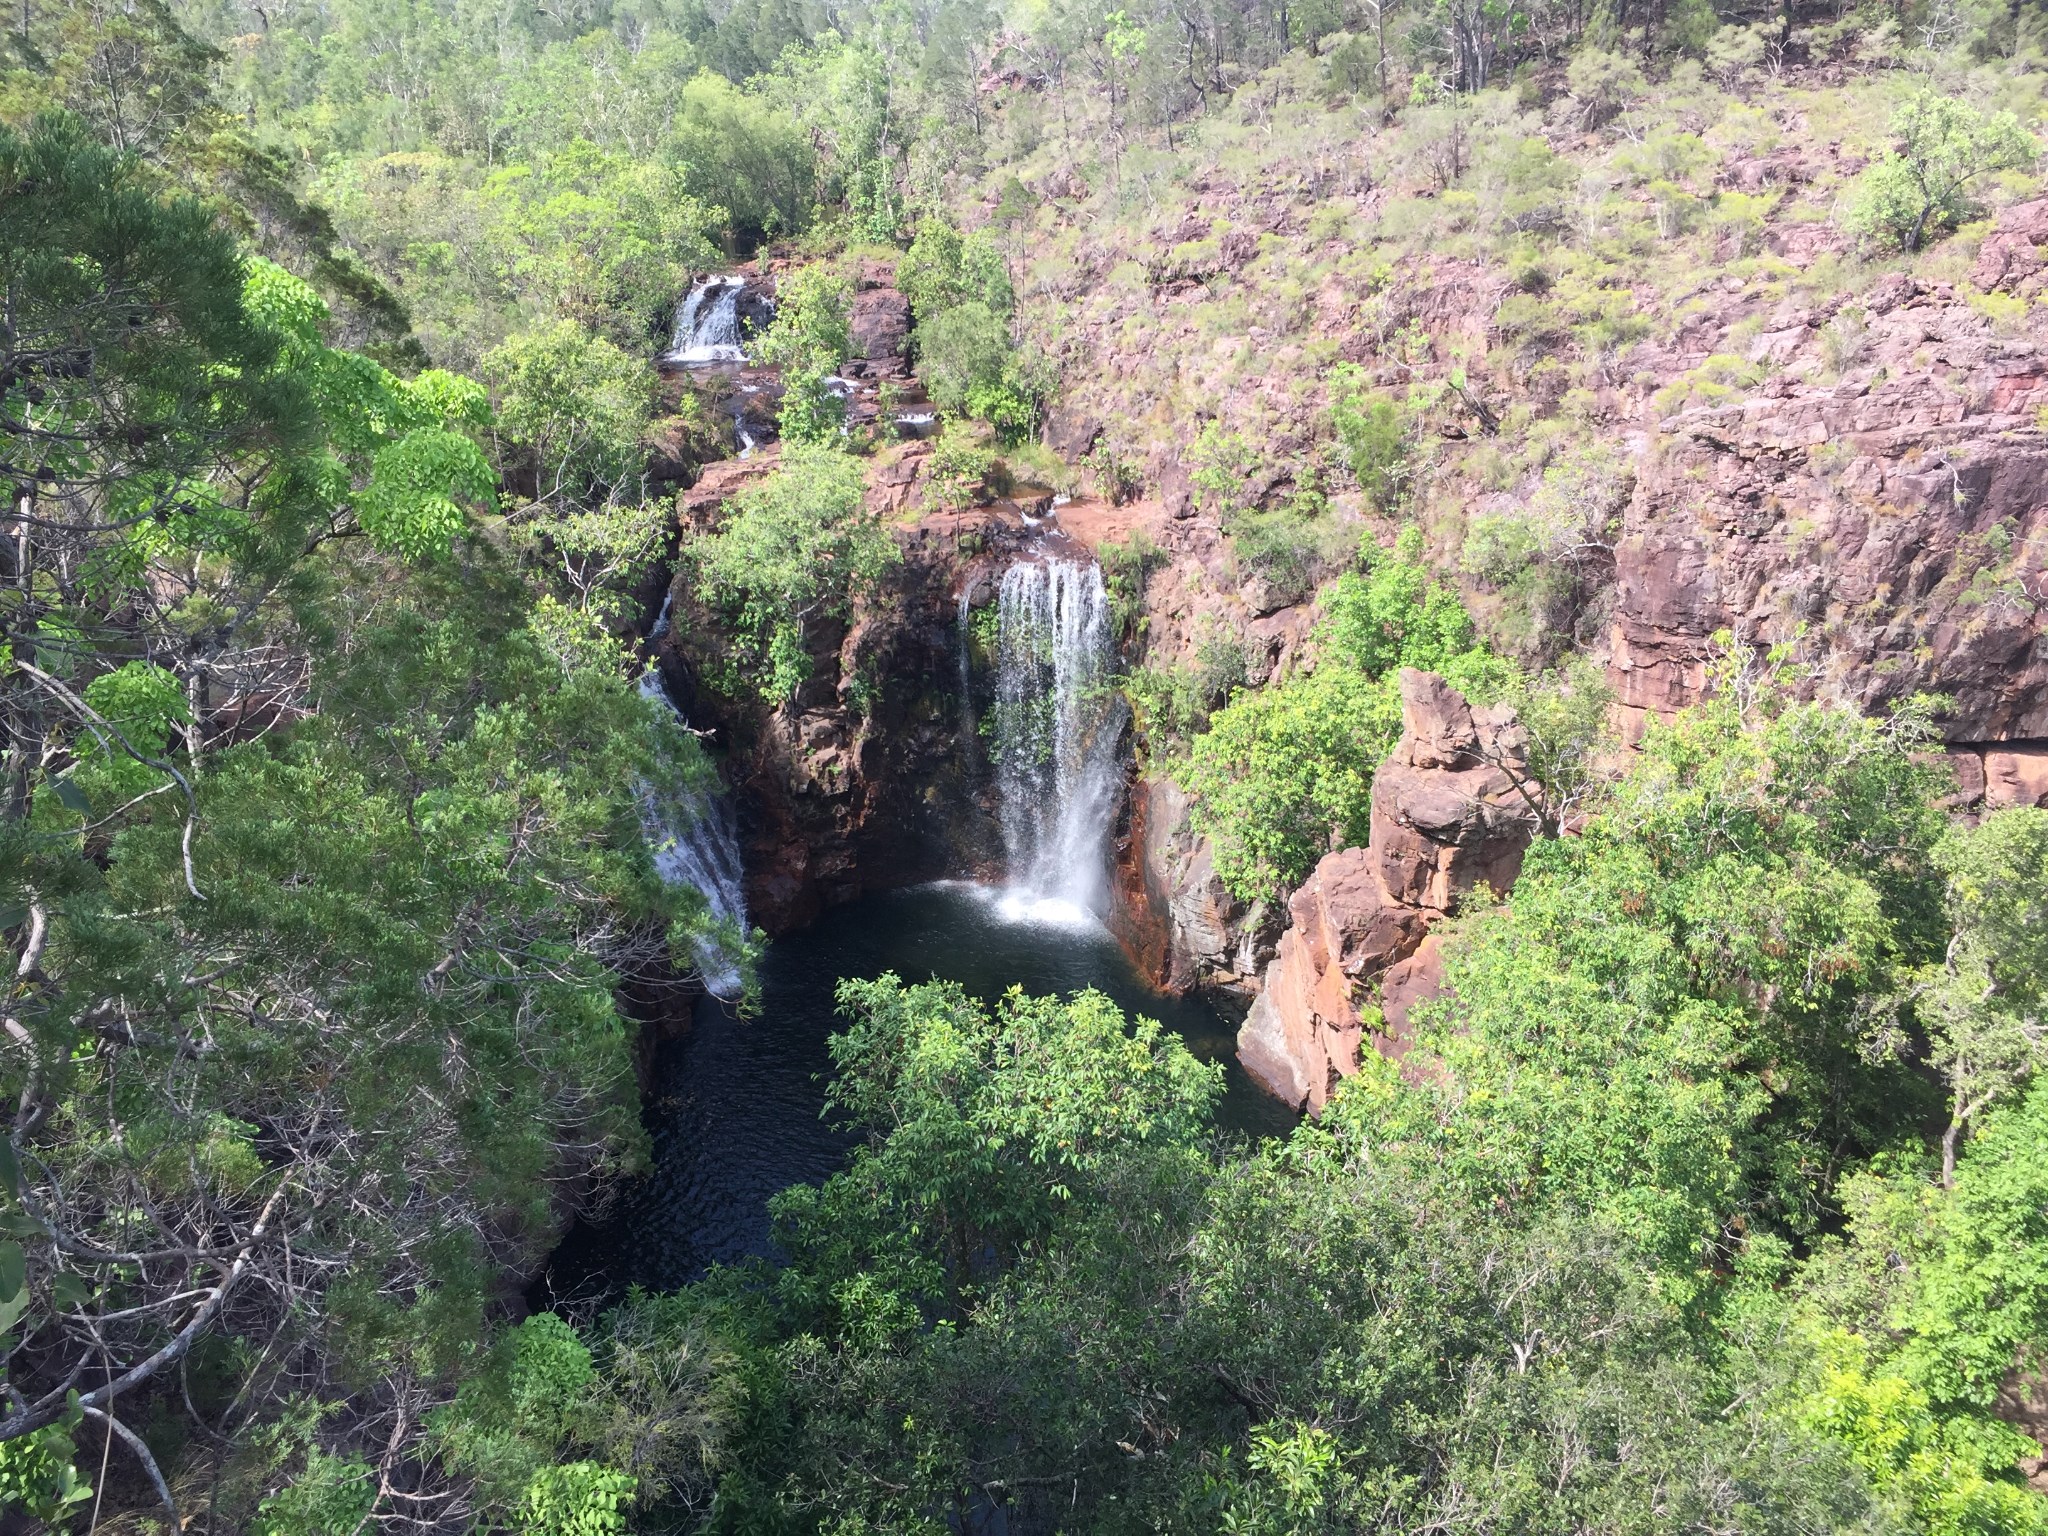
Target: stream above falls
{"type": "Point", "coordinates": [733, 1107]}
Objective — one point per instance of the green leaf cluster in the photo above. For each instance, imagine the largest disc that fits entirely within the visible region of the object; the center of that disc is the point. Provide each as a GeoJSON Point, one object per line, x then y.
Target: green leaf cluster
{"type": "Point", "coordinates": [788, 555]}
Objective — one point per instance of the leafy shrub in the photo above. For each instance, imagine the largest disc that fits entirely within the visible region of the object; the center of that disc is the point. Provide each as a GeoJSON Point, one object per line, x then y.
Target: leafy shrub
{"type": "Point", "coordinates": [38, 1476]}
{"type": "Point", "coordinates": [1117, 474]}
{"type": "Point", "coordinates": [962, 350]}
{"type": "Point", "coordinates": [577, 408]}
{"type": "Point", "coordinates": [956, 474]}
{"type": "Point", "coordinates": [813, 318]}
{"type": "Point", "coordinates": [1734, 51]}
{"type": "Point", "coordinates": [795, 547]}
{"type": "Point", "coordinates": [941, 270]}
{"type": "Point", "coordinates": [1603, 84]}
{"type": "Point", "coordinates": [1374, 433]}
{"type": "Point", "coordinates": [1573, 512]}
{"type": "Point", "coordinates": [580, 1498]}
{"type": "Point", "coordinates": [1126, 566]}
{"type": "Point", "coordinates": [331, 1497]}
{"type": "Point", "coordinates": [1219, 463]}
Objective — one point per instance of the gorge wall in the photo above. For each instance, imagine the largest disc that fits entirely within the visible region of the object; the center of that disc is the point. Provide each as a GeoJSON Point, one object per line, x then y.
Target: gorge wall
{"type": "Point", "coordinates": [1449, 816]}
{"type": "Point", "coordinates": [1871, 489]}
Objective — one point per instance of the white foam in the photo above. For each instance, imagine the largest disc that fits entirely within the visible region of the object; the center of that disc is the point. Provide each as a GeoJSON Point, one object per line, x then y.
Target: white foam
{"type": "Point", "coordinates": [1042, 911]}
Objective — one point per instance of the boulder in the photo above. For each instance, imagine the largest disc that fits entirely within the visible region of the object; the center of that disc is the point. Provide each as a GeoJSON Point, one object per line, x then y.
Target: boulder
{"type": "Point", "coordinates": [2015, 773]}
{"type": "Point", "coordinates": [880, 325]}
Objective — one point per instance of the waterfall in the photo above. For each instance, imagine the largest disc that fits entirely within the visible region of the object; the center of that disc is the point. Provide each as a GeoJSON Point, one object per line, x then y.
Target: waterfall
{"type": "Point", "coordinates": [1057, 728]}
{"type": "Point", "coordinates": [707, 326]}
{"type": "Point", "coordinates": [963, 659]}
{"type": "Point", "coordinates": [696, 843]}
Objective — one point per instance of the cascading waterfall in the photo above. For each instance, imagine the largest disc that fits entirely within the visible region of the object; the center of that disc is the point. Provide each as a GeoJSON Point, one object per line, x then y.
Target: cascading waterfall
{"type": "Point", "coordinates": [1057, 730]}
{"type": "Point", "coordinates": [707, 326]}
{"type": "Point", "coordinates": [963, 660]}
{"type": "Point", "coordinates": [696, 843]}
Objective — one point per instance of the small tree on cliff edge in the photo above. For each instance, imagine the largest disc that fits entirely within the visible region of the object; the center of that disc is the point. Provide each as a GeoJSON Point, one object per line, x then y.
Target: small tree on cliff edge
{"type": "Point", "coordinates": [1921, 190]}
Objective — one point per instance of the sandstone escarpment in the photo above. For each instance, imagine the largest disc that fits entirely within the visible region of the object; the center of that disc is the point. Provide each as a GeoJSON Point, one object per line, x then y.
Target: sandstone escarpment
{"type": "Point", "coordinates": [1448, 816]}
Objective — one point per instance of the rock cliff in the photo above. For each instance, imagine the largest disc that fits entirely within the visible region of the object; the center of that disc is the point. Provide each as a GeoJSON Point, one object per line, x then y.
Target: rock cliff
{"type": "Point", "coordinates": [1448, 816]}
{"type": "Point", "coordinates": [1888, 511]}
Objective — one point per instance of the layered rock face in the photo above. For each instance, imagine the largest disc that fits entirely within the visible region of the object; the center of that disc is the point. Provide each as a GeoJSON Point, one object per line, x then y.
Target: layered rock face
{"type": "Point", "coordinates": [1885, 495]}
{"type": "Point", "coordinates": [1448, 815]}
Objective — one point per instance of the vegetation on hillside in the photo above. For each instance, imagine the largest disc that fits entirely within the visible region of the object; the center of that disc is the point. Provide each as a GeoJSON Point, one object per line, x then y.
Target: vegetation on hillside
{"type": "Point", "coordinates": [1711, 1196]}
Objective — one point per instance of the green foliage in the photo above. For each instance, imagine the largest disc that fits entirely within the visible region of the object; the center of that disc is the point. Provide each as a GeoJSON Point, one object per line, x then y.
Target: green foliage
{"type": "Point", "coordinates": [579, 1498]}
{"type": "Point", "coordinates": [813, 308]}
{"type": "Point", "coordinates": [1284, 773]}
{"type": "Point", "coordinates": [1602, 83]}
{"type": "Point", "coordinates": [1127, 564]}
{"type": "Point", "coordinates": [812, 414]}
{"type": "Point", "coordinates": [331, 1497]}
{"type": "Point", "coordinates": [941, 270]}
{"type": "Point", "coordinates": [807, 341]}
{"type": "Point", "coordinates": [986, 1128]}
{"type": "Point", "coordinates": [1219, 463]}
{"type": "Point", "coordinates": [1575, 512]}
{"type": "Point", "coordinates": [796, 549]}
{"type": "Point", "coordinates": [550, 1371]}
{"type": "Point", "coordinates": [1374, 436]}
{"type": "Point", "coordinates": [960, 295]}
{"type": "Point", "coordinates": [1921, 190]}
{"type": "Point", "coordinates": [957, 472]}
{"type": "Point", "coordinates": [929, 273]}
{"type": "Point", "coordinates": [961, 352]}
{"type": "Point", "coordinates": [326, 802]}
{"type": "Point", "coordinates": [1946, 1476]}
{"type": "Point", "coordinates": [1682, 979]}
{"type": "Point", "coordinates": [37, 1475]}
{"type": "Point", "coordinates": [1033, 1280]}
{"type": "Point", "coordinates": [1984, 1002]}
{"type": "Point", "coordinates": [575, 409]}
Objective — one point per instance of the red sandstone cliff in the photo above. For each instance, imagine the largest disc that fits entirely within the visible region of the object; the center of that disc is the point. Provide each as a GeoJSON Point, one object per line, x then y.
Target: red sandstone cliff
{"type": "Point", "coordinates": [1448, 817]}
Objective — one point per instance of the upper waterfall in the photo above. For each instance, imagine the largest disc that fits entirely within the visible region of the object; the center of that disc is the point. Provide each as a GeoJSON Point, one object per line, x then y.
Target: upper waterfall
{"type": "Point", "coordinates": [696, 844]}
{"type": "Point", "coordinates": [1057, 728]}
{"type": "Point", "coordinates": [707, 328]}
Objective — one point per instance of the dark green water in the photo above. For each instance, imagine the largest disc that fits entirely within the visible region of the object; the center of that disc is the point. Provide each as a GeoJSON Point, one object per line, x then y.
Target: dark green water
{"type": "Point", "coordinates": [734, 1112]}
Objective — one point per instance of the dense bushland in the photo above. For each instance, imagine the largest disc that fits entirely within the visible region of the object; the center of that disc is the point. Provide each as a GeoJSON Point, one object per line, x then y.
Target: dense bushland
{"type": "Point", "coordinates": [1711, 1199]}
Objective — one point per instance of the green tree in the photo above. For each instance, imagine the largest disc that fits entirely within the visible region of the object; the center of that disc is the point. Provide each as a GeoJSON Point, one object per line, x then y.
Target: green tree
{"type": "Point", "coordinates": [320, 854]}
{"type": "Point", "coordinates": [961, 351]}
{"type": "Point", "coordinates": [1284, 773]}
{"type": "Point", "coordinates": [1920, 190]}
{"type": "Point", "coordinates": [808, 340]}
{"type": "Point", "coordinates": [1985, 1000]}
{"type": "Point", "coordinates": [573, 411]}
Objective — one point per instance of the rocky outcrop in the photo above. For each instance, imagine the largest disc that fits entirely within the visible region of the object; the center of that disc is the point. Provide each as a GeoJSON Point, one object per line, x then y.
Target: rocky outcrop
{"type": "Point", "coordinates": [862, 781]}
{"type": "Point", "coordinates": [871, 776]}
{"type": "Point", "coordinates": [880, 323]}
{"type": "Point", "coordinates": [1883, 498]}
{"type": "Point", "coordinates": [1448, 816]}
{"type": "Point", "coordinates": [1175, 914]}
